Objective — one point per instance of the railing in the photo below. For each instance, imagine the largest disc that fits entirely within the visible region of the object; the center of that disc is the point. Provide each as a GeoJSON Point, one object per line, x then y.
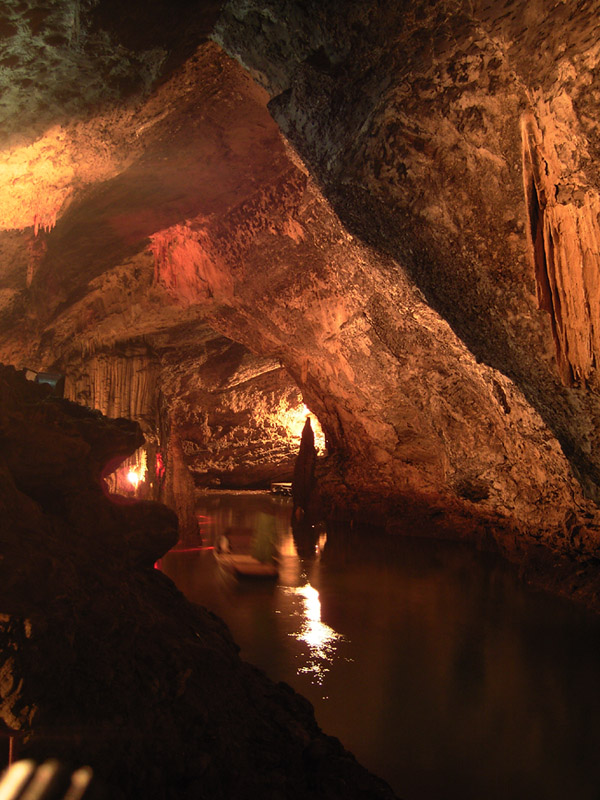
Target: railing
{"type": "Point", "coordinates": [11, 735]}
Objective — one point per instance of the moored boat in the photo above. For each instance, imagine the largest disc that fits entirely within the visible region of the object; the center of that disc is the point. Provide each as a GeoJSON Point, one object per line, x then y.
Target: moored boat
{"type": "Point", "coordinates": [243, 565]}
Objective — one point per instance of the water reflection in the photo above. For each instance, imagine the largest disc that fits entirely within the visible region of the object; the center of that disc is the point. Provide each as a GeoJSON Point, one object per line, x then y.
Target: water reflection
{"type": "Point", "coordinates": [320, 638]}
{"type": "Point", "coordinates": [241, 517]}
{"type": "Point", "coordinates": [448, 677]}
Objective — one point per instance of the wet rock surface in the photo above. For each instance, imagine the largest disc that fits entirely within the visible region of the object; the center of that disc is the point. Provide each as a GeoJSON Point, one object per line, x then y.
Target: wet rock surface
{"type": "Point", "coordinates": [103, 660]}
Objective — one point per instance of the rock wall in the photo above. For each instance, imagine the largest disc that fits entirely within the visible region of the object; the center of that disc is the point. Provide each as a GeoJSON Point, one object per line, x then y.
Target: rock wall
{"type": "Point", "coordinates": [239, 417]}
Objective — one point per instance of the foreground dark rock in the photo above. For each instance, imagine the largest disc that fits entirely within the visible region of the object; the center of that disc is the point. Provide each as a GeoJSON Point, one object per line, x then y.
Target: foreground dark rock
{"type": "Point", "coordinates": [103, 661]}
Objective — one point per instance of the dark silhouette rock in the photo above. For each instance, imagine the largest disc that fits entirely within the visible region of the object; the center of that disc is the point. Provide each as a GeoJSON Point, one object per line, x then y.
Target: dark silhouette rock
{"type": "Point", "coordinates": [303, 482]}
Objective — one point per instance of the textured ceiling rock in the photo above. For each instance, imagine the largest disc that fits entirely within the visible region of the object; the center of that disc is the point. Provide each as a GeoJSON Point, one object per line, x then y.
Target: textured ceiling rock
{"type": "Point", "coordinates": [410, 116]}
{"type": "Point", "coordinates": [239, 417]}
{"type": "Point", "coordinates": [447, 191]}
{"type": "Point", "coordinates": [200, 145]}
{"type": "Point", "coordinates": [62, 59]}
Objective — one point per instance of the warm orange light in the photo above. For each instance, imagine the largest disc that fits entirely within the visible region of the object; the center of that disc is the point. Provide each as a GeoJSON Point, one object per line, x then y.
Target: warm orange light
{"type": "Point", "coordinates": [133, 478]}
{"type": "Point", "coordinates": [37, 180]}
{"type": "Point", "coordinates": [293, 419]}
{"type": "Point", "coordinates": [319, 637]}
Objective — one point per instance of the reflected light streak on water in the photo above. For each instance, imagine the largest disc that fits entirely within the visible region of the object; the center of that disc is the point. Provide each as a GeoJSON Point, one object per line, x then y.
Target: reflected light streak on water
{"type": "Point", "coordinates": [320, 638]}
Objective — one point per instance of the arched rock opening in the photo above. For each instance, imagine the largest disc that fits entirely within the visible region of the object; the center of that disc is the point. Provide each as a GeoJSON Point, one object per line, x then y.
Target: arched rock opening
{"type": "Point", "coordinates": [411, 334]}
{"type": "Point", "coordinates": [213, 414]}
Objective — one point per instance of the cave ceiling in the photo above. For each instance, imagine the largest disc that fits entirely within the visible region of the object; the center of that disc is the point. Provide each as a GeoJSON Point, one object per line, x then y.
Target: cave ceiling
{"type": "Point", "coordinates": [398, 202]}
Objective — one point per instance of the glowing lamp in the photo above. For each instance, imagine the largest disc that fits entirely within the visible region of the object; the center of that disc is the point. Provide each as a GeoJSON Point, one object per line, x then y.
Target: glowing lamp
{"type": "Point", "coordinates": [133, 478]}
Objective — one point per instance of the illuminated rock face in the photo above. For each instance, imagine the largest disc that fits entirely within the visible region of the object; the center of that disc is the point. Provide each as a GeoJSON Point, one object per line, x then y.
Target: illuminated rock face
{"type": "Point", "coordinates": [426, 276]}
{"type": "Point", "coordinates": [454, 138]}
{"type": "Point", "coordinates": [238, 417]}
{"type": "Point", "coordinates": [213, 415]}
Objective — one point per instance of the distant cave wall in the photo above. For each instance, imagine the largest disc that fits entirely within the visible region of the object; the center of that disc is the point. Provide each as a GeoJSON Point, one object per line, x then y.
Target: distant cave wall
{"type": "Point", "coordinates": [248, 435]}
{"type": "Point", "coordinates": [122, 381]}
{"type": "Point", "coordinates": [238, 416]}
{"type": "Point", "coordinates": [213, 415]}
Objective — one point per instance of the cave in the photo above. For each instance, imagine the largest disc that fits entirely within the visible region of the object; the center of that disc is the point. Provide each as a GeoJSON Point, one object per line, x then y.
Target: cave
{"type": "Point", "coordinates": [219, 217]}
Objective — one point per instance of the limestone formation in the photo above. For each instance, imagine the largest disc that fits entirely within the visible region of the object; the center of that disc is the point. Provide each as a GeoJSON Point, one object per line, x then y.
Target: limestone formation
{"type": "Point", "coordinates": [304, 481]}
{"type": "Point", "coordinates": [394, 202]}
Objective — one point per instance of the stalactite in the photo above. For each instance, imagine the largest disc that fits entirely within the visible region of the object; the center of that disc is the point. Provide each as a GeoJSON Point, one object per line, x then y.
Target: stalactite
{"type": "Point", "coordinates": [36, 250]}
{"type": "Point", "coordinates": [565, 238]}
{"type": "Point", "coordinates": [116, 385]}
{"type": "Point", "coordinates": [46, 224]}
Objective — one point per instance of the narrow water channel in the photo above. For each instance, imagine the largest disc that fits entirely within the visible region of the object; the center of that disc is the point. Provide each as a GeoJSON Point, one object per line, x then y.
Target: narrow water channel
{"type": "Point", "coordinates": [431, 662]}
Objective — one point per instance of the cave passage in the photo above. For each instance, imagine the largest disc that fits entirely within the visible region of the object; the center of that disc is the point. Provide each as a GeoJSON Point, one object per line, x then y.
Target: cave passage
{"type": "Point", "coordinates": [433, 663]}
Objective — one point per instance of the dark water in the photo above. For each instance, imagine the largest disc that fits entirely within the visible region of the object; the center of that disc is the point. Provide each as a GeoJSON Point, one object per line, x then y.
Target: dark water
{"type": "Point", "coordinates": [431, 662]}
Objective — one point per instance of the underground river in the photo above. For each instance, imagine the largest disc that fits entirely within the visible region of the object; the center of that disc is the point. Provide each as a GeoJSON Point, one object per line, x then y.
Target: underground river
{"type": "Point", "coordinates": [432, 663]}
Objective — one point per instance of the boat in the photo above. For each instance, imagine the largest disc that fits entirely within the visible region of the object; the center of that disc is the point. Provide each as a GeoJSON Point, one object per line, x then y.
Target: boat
{"type": "Point", "coordinates": [243, 565]}
{"type": "Point", "coordinates": [281, 488]}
